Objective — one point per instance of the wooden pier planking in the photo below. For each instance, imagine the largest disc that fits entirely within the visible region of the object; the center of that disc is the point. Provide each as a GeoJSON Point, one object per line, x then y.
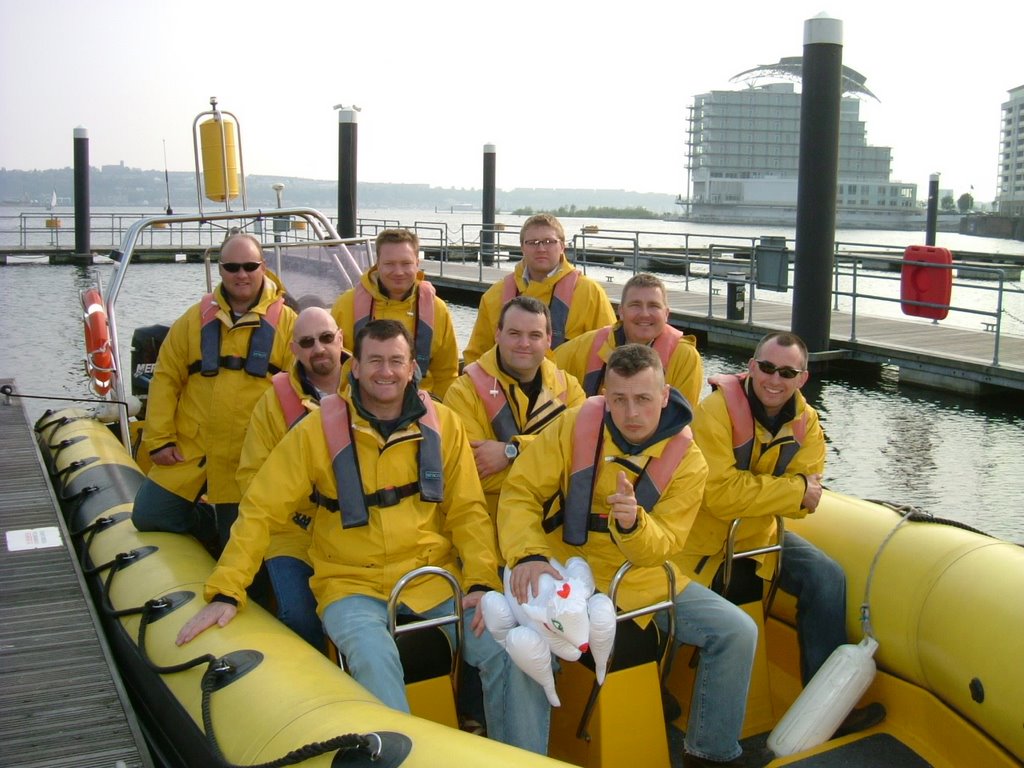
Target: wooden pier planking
{"type": "Point", "coordinates": [61, 701]}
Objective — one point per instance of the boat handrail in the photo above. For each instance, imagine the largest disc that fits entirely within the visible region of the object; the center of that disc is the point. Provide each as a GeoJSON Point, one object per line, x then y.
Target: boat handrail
{"type": "Point", "coordinates": [319, 225]}
{"type": "Point", "coordinates": [731, 555]}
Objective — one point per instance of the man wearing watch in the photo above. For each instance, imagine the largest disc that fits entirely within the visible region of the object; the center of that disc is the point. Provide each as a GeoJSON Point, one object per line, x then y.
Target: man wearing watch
{"type": "Point", "coordinates": [512, 392]}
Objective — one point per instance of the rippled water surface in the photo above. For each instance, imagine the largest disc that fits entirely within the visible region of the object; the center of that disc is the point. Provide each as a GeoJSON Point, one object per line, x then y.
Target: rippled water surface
{"type": "Point", "coordinates": [957, 458]}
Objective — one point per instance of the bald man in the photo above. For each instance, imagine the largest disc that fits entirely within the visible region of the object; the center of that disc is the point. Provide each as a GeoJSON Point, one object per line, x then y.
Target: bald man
{"type": "Point", "coordinates": [317, 344]}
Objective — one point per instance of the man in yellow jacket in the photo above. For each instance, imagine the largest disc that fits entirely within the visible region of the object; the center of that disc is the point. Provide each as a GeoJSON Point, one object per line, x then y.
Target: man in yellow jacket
{"type": "Point", "coordinates": [319, 353]}
{"type": "Point", "coordinates": [619, 479]}
{"type": "Point", "coordinates": [577, 303]}
{"type": "Point", "coordinates": [394, 289]}
{"type": "Point", "coordinates": [393, 476]}
{"type": "Point", "coordinates": [765, 450]}
{"type": "Point", "coordinates": [511, 393]}
{"type": "Point", "coordinates": [216, 362]}
{"type": "Point", "coordinates": [643, 319]}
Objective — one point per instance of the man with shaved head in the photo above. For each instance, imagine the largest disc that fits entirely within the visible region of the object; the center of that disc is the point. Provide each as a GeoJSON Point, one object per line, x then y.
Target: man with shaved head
{"type": "Point", "coordinates": [319, 354]}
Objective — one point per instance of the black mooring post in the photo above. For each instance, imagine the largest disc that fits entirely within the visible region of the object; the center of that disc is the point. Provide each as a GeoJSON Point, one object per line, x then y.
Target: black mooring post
{"type": "Point", "coordinates": [817, 180]}
{"type": "Point", "coordinates": [933, 209]}
{"type": "Point", "coordinates": [348, 131]}
{"type": "Point", "coordinates": [83, 246]}
{"type": "Point", "coordinates": [487, 233]}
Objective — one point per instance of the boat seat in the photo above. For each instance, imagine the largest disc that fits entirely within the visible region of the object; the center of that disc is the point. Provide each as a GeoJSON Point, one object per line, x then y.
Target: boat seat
{"type": "Point", "coordinates": [625, 716]}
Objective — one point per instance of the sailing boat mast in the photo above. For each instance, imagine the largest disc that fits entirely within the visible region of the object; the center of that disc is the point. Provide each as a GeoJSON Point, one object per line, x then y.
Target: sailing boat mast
{"type": "Point", "coordinates": [167, 180]}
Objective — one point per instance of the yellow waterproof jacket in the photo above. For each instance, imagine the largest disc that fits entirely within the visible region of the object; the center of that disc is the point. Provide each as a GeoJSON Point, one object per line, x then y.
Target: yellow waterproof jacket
{"type": "Point", "coordinates": [456, 534]}
{"type": "Point", "coordinates": [755, 494]}
{"type": "Point", "coordinates": [206, 416]}
{"type": "Point", "coordinates": [684, 369]}
{"type": "Point", "coordinates": [558, 392]}
{"type": "Point", "coordinates": [444, 348]}
{"type": "Point", "coordinates": [266, 428]}
{"type": "Point", "coordinates": [542, 472]}
{"type": "Point", "coordinates": [590, 307]}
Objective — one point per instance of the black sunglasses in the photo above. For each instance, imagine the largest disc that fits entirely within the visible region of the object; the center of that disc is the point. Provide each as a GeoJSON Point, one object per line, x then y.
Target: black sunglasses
{"type": "Point", "coordinates": [327, 337]}
{"type": "Point", "coordinates": [249, 266]}
{"type": "Point", "coordinates": [785, 371]}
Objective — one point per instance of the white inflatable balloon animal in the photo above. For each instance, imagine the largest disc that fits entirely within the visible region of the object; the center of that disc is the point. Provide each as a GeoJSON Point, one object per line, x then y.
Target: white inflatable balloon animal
{"type": "Point", "coordinates": [565, 618]}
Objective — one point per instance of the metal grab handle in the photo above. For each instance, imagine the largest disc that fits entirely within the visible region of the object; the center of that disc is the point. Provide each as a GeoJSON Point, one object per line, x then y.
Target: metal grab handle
{"type": "Point", "coordinates": [731, 555]}
{"type": "Point", "coordinates": [665, 663]}
{"type": "Point", "coordinates": [415, 626]}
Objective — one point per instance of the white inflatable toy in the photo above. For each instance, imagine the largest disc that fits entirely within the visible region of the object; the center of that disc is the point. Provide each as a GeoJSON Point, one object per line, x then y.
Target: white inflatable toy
{"type": "Point", "coordinates": [565, 618]}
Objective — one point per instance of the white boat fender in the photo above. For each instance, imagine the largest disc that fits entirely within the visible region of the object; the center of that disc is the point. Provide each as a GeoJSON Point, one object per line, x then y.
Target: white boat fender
{"type": "Point", "coordinates": [108, 413]}
{"type": "Point", "coordinates": [829, 697]}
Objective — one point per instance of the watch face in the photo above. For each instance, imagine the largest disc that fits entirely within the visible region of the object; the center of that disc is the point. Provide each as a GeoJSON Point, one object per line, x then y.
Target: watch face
{"type": "Point", "coordinates": [511, 450]}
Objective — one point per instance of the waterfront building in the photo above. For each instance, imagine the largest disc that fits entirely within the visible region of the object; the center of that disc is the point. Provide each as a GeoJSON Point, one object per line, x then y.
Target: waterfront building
{"type": "Point", "coordinates": [1010, 184]}
{"type": "Point", "coordinates": [743, 150]}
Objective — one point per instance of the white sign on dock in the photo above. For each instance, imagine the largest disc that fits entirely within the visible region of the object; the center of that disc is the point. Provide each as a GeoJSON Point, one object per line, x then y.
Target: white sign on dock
{"type": "Point", "coordinates": [34, 538]}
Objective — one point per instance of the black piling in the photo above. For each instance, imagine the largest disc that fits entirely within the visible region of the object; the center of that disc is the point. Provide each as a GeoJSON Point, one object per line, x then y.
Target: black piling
{"type": "Point", "coordinates": [488, 206]}
{"type": "Point", "coordinates": [933, 209]}
{"type": "Point", "coordinates": [347, 136]}
{"type": "Point", "coordinates": [819, 174]}
{"type": "Point", "coordinates": [83, 235]}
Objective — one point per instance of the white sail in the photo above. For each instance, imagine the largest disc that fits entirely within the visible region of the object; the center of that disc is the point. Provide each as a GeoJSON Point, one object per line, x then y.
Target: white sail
{"type": "Point", "coordinates": [53, 201]}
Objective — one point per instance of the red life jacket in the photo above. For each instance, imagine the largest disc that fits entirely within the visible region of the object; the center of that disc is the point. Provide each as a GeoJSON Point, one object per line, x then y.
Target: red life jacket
{"type": "Point", "coordinates": [498, 408]}
{"type": "Point", "coordinates": [353, 504]}
{"type": "Point", "coordinates": [665, 345]}
{"type": "Point", "coordinates": [561, 300]}
{"type": "Point", "coordinates": [423, 332]}
{"type": "Point", "coordinates": [288, 399]}
{"type": "Point", "coordinates": [742, 420]}
{"type": "Point", "coordinates": [261, 343]}
{"type": "Point", "coordinates": [577, 516]}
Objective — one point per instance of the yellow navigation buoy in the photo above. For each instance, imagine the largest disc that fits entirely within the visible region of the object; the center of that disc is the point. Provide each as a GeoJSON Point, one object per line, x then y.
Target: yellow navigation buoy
{"type": "Point", "coordinates": [216, 147]}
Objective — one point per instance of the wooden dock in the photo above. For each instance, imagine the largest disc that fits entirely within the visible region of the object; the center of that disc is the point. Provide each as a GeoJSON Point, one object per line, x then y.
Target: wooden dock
{"type": "Point", "coordinates": [62, 704]}
{"type": "Point", "coordinates": [934, 355]}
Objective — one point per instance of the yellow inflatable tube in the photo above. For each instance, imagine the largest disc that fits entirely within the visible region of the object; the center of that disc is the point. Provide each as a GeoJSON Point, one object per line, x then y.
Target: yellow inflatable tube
{"type": "Point", "coordinates": [290, 697]}
{"type": "Point", "coordinates": [946, 606]}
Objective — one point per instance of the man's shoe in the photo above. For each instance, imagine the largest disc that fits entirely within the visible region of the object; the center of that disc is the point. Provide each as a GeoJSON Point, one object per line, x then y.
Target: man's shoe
{"type": "Point", "coordinates": [861, 719]}
{"type": "Point", "coordinates": [753, 758]}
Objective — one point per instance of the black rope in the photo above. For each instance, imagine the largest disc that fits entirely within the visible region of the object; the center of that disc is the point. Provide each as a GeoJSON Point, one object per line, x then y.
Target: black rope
{"type": "Point", "coordinates": [346, 741]}
{"type": "Point", "coordinates": [918, 515]}
{"type": "Point", "coordinates": [8, 390]}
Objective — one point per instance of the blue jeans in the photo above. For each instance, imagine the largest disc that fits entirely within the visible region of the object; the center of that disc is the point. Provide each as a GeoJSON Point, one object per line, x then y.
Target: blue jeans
{"type": "Point", "coordinates": [296, 606]}
{"type": "Point", "coordinates": [516, 708]}
{"type": "Point", "coordinates": [727, 638]}
{"type": "Point", "coordinates": [819, 585]}
{"type": "Point", "coordinates": [157, 509]}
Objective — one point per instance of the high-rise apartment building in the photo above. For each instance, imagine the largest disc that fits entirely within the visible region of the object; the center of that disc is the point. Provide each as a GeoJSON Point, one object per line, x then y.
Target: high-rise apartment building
{"type": "Point", "coordinates": [744, 150]}
{"type": "Point", "coordinates": [1010, 184]}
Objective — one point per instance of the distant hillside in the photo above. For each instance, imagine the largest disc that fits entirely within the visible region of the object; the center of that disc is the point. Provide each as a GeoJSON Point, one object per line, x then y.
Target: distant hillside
{"type": "Point", "coordinates": [114, 186]}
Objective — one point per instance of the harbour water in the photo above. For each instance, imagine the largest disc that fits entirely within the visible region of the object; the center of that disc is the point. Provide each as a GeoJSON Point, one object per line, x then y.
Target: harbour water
{"type": "Point", "coordinates": [957, 458]}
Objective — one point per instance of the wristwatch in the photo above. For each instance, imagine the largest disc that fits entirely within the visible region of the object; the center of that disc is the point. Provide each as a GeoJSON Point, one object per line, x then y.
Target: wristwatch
{"type": "Point", "coordinates": [511, 451]}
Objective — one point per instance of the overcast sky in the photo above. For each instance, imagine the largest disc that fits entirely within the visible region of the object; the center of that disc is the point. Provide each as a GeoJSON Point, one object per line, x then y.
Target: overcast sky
{"type": "Point", "coordinates": [574, 94]}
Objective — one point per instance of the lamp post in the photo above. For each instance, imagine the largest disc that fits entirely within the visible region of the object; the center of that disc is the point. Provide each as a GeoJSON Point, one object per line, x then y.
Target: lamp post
{"type": "Point", "coordinates": [278, 189]}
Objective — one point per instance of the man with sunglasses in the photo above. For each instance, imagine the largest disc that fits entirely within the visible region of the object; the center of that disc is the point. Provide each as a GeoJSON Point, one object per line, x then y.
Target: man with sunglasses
{"type": "Point", "coordinates": [215, 363]}
{"type": "Point", "coordinates": [577, 303]}
{"type": "Point", "coordinates": [765, 450]}
{"type": "Point", "coordinates": [394, 289]}
{"type": "Point", "coordinates": [317, 344]}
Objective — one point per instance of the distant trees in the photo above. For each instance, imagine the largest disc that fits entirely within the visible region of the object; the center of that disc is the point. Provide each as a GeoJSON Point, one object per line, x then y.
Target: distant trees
{"type": "Point", "coordinates": [947, 203]}
{"type": "Point", "coordinates": [595, 212]}
{"type": "Point", "coordinates": [965, 202]}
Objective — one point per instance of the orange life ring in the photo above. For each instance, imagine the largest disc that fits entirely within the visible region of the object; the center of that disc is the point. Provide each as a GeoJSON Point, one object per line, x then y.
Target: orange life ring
{"type": "Point", "coordinates": [99, 360]}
